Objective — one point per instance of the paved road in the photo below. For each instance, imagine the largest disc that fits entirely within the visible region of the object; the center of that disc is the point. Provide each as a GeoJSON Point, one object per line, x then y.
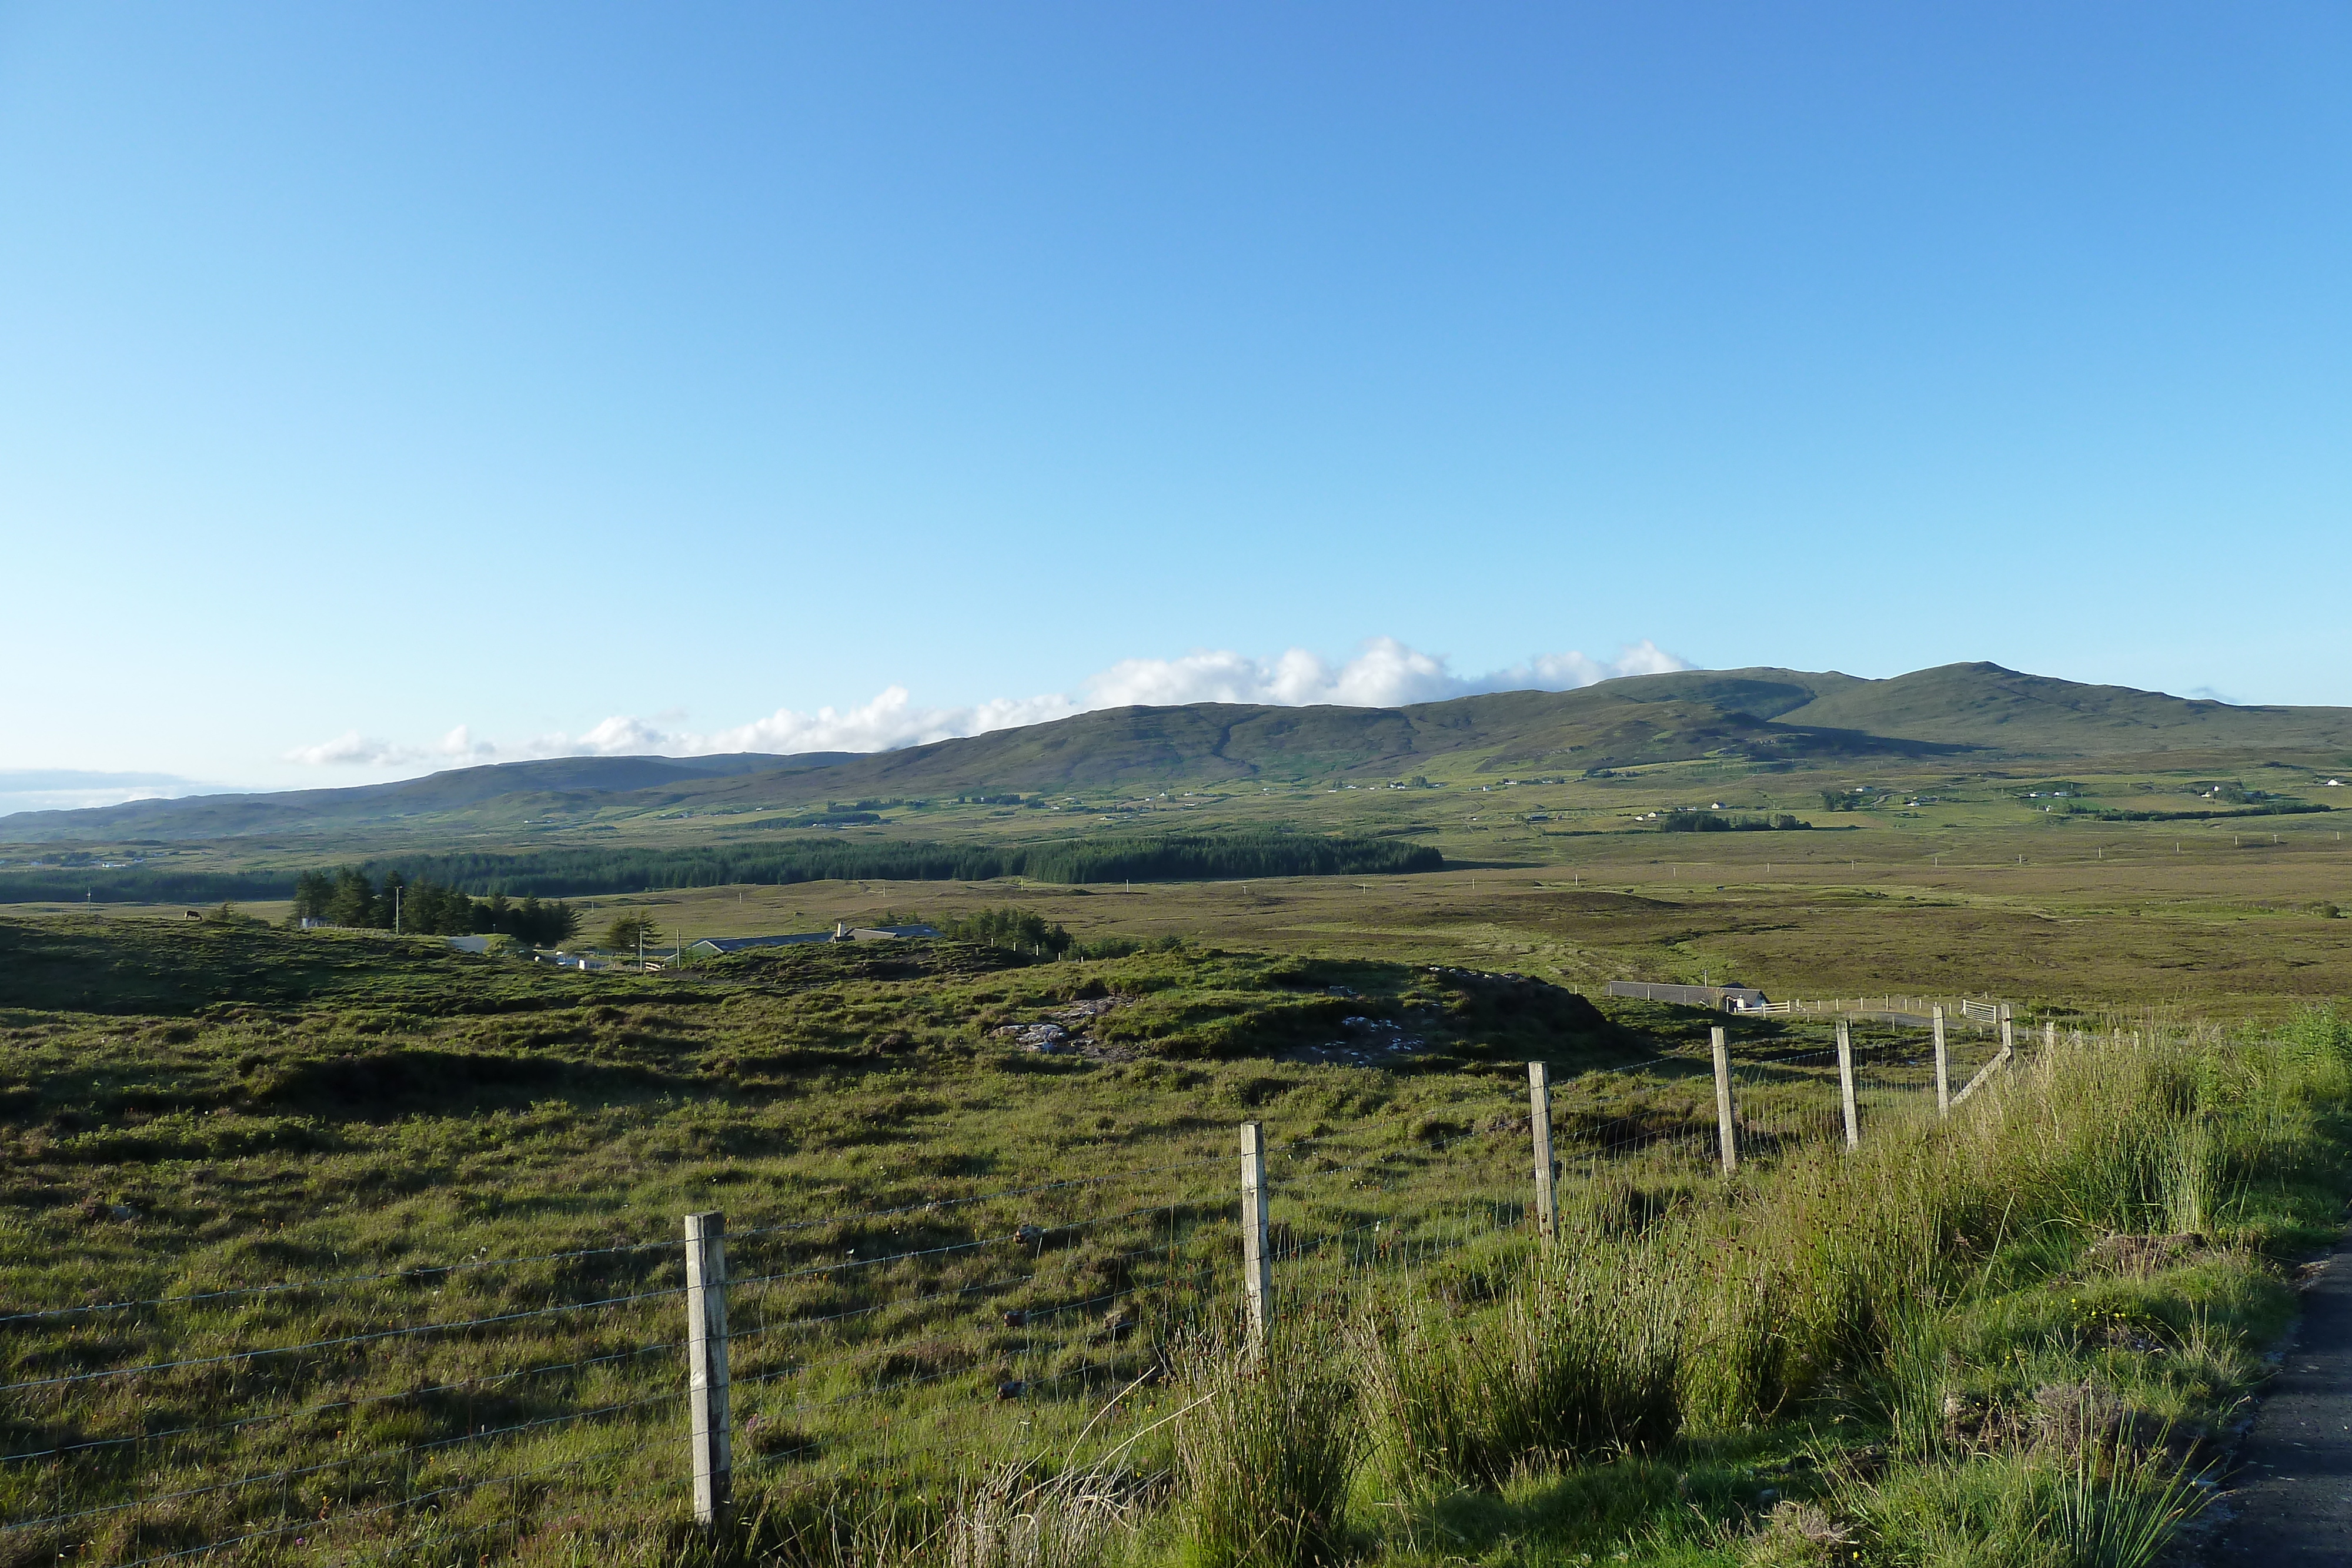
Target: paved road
{"type": "Point", "coordinates": [2291, 1499]}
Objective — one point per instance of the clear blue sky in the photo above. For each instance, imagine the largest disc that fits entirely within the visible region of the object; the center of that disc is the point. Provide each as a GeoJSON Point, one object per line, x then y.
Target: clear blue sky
{"type": "Point", "coordinates": [370, 370]}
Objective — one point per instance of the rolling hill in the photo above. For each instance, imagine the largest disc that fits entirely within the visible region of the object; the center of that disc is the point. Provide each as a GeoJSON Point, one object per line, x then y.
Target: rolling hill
{"type": "Point", "coordinates": [1759, 715]}
{"type": "Point", "coordinates": [1979, 710]}
{"type": "Point", "coordinates": [510, 789]}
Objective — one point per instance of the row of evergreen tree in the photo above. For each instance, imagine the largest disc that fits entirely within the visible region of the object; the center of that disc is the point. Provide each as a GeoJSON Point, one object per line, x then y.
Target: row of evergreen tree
{"type": "Point", "coordinates": [1027, 932]}
{"type": "Point", "coordinates": [561, 873]}
{"type": "Point", "coordinates": [1171, 858]}
{"type": "Point", "coordinates": [1692, 822]}
{"type": "Point", "coordinates": [427, 908]}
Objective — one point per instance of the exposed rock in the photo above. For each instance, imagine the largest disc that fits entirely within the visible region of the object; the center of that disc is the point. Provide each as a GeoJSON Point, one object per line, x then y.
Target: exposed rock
{"type": "Point", "coordinates": [1047, 1038]}
{"type": "Point", "coordinates": [1064, 1029]}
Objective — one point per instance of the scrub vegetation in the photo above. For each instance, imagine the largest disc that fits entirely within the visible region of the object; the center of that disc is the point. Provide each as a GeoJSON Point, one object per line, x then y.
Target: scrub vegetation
{"type": "Point", "coordinates": [2012, 1337]}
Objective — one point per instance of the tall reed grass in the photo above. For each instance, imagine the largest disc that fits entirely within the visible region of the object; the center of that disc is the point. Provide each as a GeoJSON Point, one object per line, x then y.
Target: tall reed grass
{"type": "Point", "coordinates": [1901, 1287]}
{"type": "Point", "coordinates": [1829, 1282]}
{"type": "Point", "coordinates": [1268, 1452]}
{"type": "Point", "coordinates": [1580, 1360]}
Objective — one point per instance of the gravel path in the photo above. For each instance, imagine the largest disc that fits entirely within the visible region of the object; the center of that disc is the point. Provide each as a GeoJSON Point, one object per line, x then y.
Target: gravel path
{"type": "Point", "coordinates": [2290, 1498]}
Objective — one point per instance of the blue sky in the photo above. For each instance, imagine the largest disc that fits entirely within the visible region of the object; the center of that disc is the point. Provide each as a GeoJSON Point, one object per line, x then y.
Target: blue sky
{"type": "Point", "coordinates": [659, 378]}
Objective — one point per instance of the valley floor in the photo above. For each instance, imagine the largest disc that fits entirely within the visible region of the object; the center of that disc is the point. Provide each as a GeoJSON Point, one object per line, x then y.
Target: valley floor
{"type": "Point", "coordinates": [958, 1254]}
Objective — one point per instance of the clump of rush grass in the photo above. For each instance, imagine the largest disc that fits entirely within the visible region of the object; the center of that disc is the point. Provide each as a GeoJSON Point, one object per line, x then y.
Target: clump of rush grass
{"type": "Point", "coordinates": [2093, 1508]}
{"type": "Point", "coordinates": [1268, 1451]}
{"type": "Point", "coordinates": [1067, 1517]}
{"type": "Point", "coordinates": [1011, 1518]}
{"type": "Point", "coordinates": [1581, 1360]}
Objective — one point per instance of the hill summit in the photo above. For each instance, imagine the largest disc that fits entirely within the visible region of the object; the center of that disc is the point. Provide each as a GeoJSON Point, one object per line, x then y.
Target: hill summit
{"type": "Point", "coordinates": [1760, 716]}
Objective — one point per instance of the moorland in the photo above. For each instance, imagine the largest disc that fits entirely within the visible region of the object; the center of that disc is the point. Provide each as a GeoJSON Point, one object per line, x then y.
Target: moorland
{"type": "Point", "coordinates": [993, 1277]}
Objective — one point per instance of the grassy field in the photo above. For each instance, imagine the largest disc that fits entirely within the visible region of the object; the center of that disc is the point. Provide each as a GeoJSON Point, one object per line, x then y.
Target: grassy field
{"type": "Point", "coordinates": [261, 1106]}
{"type": "Point", "coordinates": [254, 1107]}
{"type": "Point", "coordinates": [1984, 811]}
{"type": "Point", "coordinates": [1993, 876]}
{"type": "Point", "coordinates": [965, 1248]}
{"type": "Point", "coordinates": [1984, 894]}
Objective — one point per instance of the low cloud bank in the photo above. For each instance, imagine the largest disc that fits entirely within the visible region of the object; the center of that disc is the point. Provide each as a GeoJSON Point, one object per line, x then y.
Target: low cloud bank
{"type": "Point", "coordinates": [75, 788]}
{"type": "Point", "coordinates": [1385, 672]}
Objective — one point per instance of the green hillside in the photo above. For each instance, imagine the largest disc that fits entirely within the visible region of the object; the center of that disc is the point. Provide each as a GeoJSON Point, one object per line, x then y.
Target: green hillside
{"type": "Point", "coordinates": [513, 788]}
{"type": "Point", "coordinates": [1756, 714]}
{"type": "Point", "coordinates": [1651, 718]}
{"type": "Point", "coordinates": [1986, 705]}
{"type": "Point", "coordinates": [1975, 714]}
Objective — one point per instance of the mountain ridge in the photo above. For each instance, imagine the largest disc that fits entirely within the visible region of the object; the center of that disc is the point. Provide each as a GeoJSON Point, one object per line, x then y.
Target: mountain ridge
{"type": "Point", "coordinates": [550, 779]}
{"type": "Point", "coordinates": [1762, 715]}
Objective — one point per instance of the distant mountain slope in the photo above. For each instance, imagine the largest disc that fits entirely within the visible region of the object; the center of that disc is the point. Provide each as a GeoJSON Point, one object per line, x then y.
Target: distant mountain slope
{"type": "Point", "coordinates": [1985, 704]}
{"type": "Point", "coordinates": [1759, 714]}
{"type": "Point", "coordinates": [1646, 718]}
{"type": "Point", "coordinates": [547, 780]}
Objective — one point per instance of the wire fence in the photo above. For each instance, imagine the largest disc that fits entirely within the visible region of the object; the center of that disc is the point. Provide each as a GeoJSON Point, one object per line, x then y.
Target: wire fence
{"type": "Point", "coordinates": [499, 1401]}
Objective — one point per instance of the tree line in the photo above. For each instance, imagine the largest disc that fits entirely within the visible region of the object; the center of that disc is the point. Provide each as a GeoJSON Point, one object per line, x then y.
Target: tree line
{"type": "Point", "coordinates": [1176, 857]}
{"type": "Point", "coordinates": [346, 897]}
{"type": "Point", "coordinates": [1708, 823]}
{"type": "Point", "coordinates": [1026, 930]}
{"type": "Point", "coordinates": [570, 872]}
{"type": "Point", "coordinates": [2269, 808]}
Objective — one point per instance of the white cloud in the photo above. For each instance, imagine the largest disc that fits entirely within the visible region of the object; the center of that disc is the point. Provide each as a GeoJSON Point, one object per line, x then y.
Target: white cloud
{"type": "Point", "coordinates": [1565, 672]}
{"type": "Point", "coordinates": [351, 749]}
{"type": "Point", "coordinates": [889, 721]}
{"type": "Point", "coordinates": [1385, 672]}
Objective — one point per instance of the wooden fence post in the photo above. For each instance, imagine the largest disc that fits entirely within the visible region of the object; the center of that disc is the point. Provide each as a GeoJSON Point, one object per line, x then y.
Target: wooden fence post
{"type": "Point", "coordinates": [1845, 1083]}
{"type": "Point", "coordinates": [1723, 1112]}
{"type": "Point", "coordinates": [2049, 1034]}
{"type": "Point", "coordinates": [706, 1361]}
{"type": "Point", "coordinates": [1258, 1270]}
{"type": "Point", "coordinates": [1539, 1125]}
{"type": "Point", "coordinates": [1943, 1064]}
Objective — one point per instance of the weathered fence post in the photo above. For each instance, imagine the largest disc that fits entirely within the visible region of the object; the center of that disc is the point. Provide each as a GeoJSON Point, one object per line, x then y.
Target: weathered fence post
{"type": "Point", "coordinates": [1539, 1125]}
{"type": "Point", "coordinates": [1845, 1083]}
{"type": "Point", "coordinates": [706, 1362]}
{"type": "Point", "coordinates": [1943, 1064]}
{"type": "Point", "coordinates": [1729, 1133]}
{"type": "Point", "coordinates": [2049, 1034]}
{"type": "Point", "coordinates": [1258, 1270]}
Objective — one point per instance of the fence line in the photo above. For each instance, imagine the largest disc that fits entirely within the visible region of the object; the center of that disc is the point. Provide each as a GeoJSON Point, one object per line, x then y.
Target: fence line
{"type": "Point", "coordinates": [1325, 1211]}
